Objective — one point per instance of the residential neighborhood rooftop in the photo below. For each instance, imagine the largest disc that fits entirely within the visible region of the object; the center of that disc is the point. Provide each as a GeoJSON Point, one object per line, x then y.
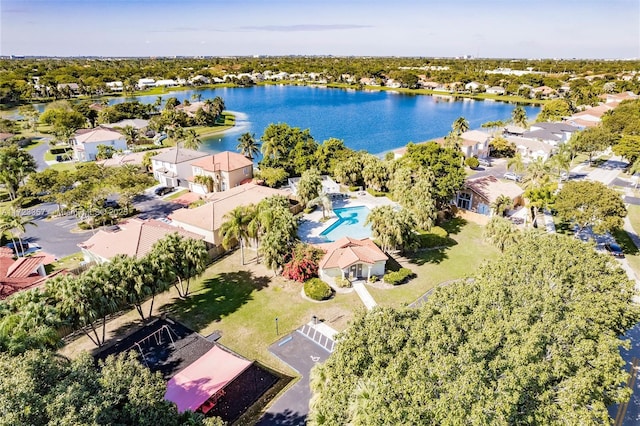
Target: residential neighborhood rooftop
{"type": "Point", "coordinates": [226, 161]}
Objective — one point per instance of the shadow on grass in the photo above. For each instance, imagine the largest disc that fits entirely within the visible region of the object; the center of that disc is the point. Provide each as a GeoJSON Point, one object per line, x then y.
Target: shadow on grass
{"type": "Point", "coordinates": [454, 226]}
{"type": "Point", "coordinates": [218, 297]}
{"type": "Point", "coordinates": [625, 241]}
{"type": "Point", "coordinates": [423, 257]}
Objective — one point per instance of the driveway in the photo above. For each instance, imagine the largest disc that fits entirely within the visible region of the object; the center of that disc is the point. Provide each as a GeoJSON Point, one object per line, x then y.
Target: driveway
{"type": "Point", "coordinates": [301, 354]}
{"type": "Point", "coordinates": [38, 153]}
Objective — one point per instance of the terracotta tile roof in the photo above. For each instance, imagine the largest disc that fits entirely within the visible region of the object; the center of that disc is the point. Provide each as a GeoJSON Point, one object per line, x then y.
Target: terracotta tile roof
{"type": "Point", "coordinates": [226, 161]}
{"type": "Point", "coordinates": [347, 251]}
{"type": "Point", "coordinates": [134, 237]}
{"type": "Point", "coordinates": [25, 266]}
{"type": "Point", "coordinates": [490, 188]}
{"type": "Point", "coordinates": [210, 216]}
{"type": "Point", "coordinates": [99, 134]}
{"type": "Point", "coordinates": [475, 136]}
{"type": "Point", "coordinates": [5, 136]}
{"type": "Point", "coordinates": [20, 274]}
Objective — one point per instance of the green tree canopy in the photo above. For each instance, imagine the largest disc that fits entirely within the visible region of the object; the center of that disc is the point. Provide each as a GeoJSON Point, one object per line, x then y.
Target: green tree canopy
{"type": "Point", "coordinates": [532, 339]}
{"type": "Point", "coordinates": [554, 110]}
{"type": "Point", "coordinates": [586, 203]}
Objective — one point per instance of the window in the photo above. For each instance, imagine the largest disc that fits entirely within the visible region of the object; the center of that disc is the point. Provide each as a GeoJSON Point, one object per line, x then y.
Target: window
{"type": "Point", "coordinates": [246, 171]}
{"type": "Point", "coordinates": [464, 201]}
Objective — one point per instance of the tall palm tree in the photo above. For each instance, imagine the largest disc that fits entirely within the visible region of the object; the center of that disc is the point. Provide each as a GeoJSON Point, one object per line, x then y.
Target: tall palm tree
{"type": "Point", "coordinates": [324, 202]}
{"type": "Point", "coordinates": [16, 224]}
{"type": "Point", "coordinates": [273, 148]}
{"type": "Point", "coordinates": [197, 97]}
{"type": "Point", "coordinates": [501, 233]}
{"type": "Point", "coordinates": [519, 117]}
{"type": "Point", "coordinates": [234, 229]}
{"type": "Point", "coordinates": [134, 279]}
{"type": "Point", "coordinates": [537, 173]}
{"type": "Point", "coordinates": [516, 162]}
{"type": "Point", "coordinates": [460, 126]}
{"type": "Point", "coordinates": [248, 145]}
{"type": "Point", "coordinates": [192, 140]}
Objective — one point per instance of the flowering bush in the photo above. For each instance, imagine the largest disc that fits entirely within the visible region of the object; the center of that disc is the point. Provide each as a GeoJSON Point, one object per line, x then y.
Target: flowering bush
{"type": "Point", "coordinates": [302, 263]}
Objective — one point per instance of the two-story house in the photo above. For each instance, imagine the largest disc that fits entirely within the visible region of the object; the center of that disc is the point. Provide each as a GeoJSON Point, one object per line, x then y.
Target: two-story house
{"type": "Point", "coordinates": [86, 142]}
{"type": "Point", "coordinates": [220, 172]}
{"type": "Point", "coordinates": [173, 167]}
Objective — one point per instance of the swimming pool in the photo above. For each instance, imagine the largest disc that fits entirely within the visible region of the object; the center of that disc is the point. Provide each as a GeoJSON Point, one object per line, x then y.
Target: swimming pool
{"type": "Point", "coordinates": [350, 223]}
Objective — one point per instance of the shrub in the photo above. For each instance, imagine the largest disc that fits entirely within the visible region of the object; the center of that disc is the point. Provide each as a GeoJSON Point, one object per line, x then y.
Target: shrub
{"type": "Point", "coordinates": [317, 289]}
{"type": "Point", "coordinates": [436, 237]}
{"type": "Point", "coordinates": [472, 162]}
{"type": "Point", "coordinates": [302, 263]}
{"type": "Point", "coordinates": [376, 193]}
{"type": "Point", "coordinates": [373, 278]}
{"type": "Point", "coordinates": [354, 188]}
{"type": "Point", "coordinates": [398, 277]}
{"type": "Point", "coordinates": [343, 282]}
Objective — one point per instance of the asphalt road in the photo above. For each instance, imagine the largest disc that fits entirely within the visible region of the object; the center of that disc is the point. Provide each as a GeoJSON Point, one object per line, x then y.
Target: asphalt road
{"type": "Point", "coordinates": [301, 354]}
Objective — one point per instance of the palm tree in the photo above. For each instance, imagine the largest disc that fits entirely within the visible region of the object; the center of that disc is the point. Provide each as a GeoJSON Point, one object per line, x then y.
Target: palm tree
{"type": "Point", "coordinates": [16, 224]}
{"type": "Point", "coordinates": [131, 134]}
{"type": "Point", "coordinates": [157, 103]}
{"type": "Point", "coordinates": [460, 126]}
{"type": "Point", "coordinates": [273, 148]}
{"type": "Point", "coordinates": [134, 279]}
{"type": "Point", "coordinates": [501, 233]}
{"type": "Point", "coordinates": [191, 140]}
{"type": "Point", "coordinates": [519, 117]}
{"type": "Point", "coordinates": [248, 145]}
{"type": "Point", "coordinates": [537, 172]}
{"type": "Point", "coordinates": [501, 205]}
{"type": "Point", "coordinates": [197, 97]}
{"type": "Point", "coordinates": [323, 201]}
{"type": "Point", "coordinates": [516, 162]}
{"type": "Point", "coordinates": [234, 229]}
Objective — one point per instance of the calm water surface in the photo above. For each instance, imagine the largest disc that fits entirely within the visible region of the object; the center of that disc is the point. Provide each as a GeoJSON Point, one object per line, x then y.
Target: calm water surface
{"type": "Point", "coordinates": [376, 121]}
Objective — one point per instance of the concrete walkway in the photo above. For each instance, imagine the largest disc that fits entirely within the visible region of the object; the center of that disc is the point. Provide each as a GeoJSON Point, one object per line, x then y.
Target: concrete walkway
{"type": "Point", "coordinates": [549, 224]}
{"type": "Point", "coordinates": [364, 295]}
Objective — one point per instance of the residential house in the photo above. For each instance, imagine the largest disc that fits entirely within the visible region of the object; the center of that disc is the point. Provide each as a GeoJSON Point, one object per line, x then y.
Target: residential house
{"type": "Point", "coordinates": [173, 167]}
{"type": "Point", "coordinates": [192, 108]}
{"type": "Point", "coordinates": [134, 237]}
{"type": "Point", "coordinates": [511, 130]}
{"type": "Point", "coordinates": [86, 141]}
{"type": "Point", "coordinates": [115, 86]}
{"type": "Point", "coordinates": [143, 83]}
{"type": "Point", "coordinates": [544, 92]}
{"type": "Point", "coordinates": [72, 88]}
{"type": "Point", "coordinates": [551, 133]}
{"type": "Point", "coordinates": [475, 143]}
{"type": "Point", "coordinates": [225, 170]}
{"type": "Point", "coordinates": [136, 123]}
{"type": "Point", "coordinates": [166, 83]}
{"type": "Point", "coordinates": [530, 149]}
{"type": "Point", "coordinates": [6, 136]}
{"type": "Point", "coordinates": [591, 116]}
{"type": "Point", "coordinates": [352, 259]}
{"type": "Point", "coordinates": [207, 219]}
{"type": "Point", "coordinates": [199, 79]}
{"type": "Point", "coordinates": [393, 84]}
{"type": "Point", "coordinates": [20, 274]}
{"type": "Point", "coordinates": [480, 193]}
{"type": "Point", "coordinates": [329, 186]}
{"type": "Point", "coordinates": [495, 90]}
{"type": "Point", "coordinates": [618, 97]}
{"type": "Point", "coordinates": [474, 86]}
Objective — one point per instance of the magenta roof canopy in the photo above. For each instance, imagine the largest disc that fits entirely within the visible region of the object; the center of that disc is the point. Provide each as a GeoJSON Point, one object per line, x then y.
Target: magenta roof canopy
{"type": "Point", "coordinates": [209, 374]}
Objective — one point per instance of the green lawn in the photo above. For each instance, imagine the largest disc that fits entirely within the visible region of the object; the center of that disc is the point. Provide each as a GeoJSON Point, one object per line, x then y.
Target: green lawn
{"type": "Point", "coordinates": [226, 122]}
{"type": "Point", "coordinates": [176, 195]}
{"type": "Point", "coordinates": [66, 166]}
{"type": "Point", "coordinates": [59, 150]}
{"type": "Point", "coordinates": [243, 302]}
{"type": "Point", "coordinates": [436, 266]}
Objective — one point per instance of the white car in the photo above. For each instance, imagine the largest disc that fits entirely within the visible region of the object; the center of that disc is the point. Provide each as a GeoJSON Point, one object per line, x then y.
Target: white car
{"type": "Point", "coordinates": [512, 176]}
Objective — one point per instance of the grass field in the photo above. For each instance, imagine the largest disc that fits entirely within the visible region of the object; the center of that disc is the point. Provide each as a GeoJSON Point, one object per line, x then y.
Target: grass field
{"type": "Point", "coordinates": [242, 302]}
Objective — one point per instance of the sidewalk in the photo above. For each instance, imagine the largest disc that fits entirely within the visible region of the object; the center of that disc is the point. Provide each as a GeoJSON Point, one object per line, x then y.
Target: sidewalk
{"type": "Point", "coordinates": [364, 295]}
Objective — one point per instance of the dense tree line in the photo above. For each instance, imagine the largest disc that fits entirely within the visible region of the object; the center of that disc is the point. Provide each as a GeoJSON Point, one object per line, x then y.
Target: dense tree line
{"type": "Point", "coordinates": [16, 76]}
{"type": "Point", "coordinates": [533, 338]}
{"type": "Point", "coordinates": [33, 318]}
{"type": "Point", "coordinates": [43, 388]}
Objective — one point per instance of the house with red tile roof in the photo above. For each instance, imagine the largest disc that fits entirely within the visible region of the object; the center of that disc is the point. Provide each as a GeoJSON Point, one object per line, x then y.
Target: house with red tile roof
{"type": "Point", "coordinates": [172, 168]}
{"type": "Point", "coordinates": [480, 193]}
{"type": "Point", "coordinates": [351, 258]}
{"type": "Point", "coordinates": [220, 172]}
{"type": "Point", "coordinates": [20, 274]}
{"type": "Point", "coordinates": [134, 238]}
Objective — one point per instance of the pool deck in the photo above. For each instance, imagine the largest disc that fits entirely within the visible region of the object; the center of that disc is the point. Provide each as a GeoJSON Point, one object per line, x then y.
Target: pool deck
{"type": "Point", "coordinates": [311, 226]}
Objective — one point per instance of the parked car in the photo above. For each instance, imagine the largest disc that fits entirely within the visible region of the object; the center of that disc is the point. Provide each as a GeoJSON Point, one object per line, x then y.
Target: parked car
{"type": "Point", "coordinates": [163, 190]}
{"type": "Point", "coordinates": [564, 176]}
{"type": "Point", "coordinates": [512, 176]}
{"type": "Point", "coordinates": [484, 162]}
{"type": "Point", "coordinates": [614, 250]}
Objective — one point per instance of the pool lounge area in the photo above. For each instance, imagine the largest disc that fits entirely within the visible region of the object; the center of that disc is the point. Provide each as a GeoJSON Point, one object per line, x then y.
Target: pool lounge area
{"type": "Point", "coordinates": [346, 220]}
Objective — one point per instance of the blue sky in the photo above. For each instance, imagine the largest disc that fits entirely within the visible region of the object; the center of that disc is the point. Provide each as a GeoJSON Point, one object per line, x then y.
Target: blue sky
{"type": "Point", "coordinates": [489, 28]}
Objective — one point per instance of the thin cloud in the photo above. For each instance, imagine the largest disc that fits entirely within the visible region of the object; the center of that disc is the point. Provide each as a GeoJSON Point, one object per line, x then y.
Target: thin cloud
{"type": "Point", "coordinates": [305, 27]}
{"type": "Point", "coordinates": [186, 30]}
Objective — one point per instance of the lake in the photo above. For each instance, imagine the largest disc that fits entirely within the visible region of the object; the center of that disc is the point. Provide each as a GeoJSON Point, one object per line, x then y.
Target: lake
{"type": "Point", "coordinates": [376, 121]}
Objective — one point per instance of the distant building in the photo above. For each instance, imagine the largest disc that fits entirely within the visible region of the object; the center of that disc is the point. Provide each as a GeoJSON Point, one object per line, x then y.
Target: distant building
{"type": "Point", "coordinates": [225, 169]}
{"type": "Point", "coordinates": [329, 186]}
{"type": "Point", "coordinates": [173, 167]}
{"type": "Point", "coordinates": [143, 83]}
{"type": "Point", "coordinates": [86, 142]}
{"type": "Point", "coordinates": [20, 274]}
{"type": "Point", "coordinates": [480, 193]}
{"type": "Point", "coordinates": [351, 258]}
